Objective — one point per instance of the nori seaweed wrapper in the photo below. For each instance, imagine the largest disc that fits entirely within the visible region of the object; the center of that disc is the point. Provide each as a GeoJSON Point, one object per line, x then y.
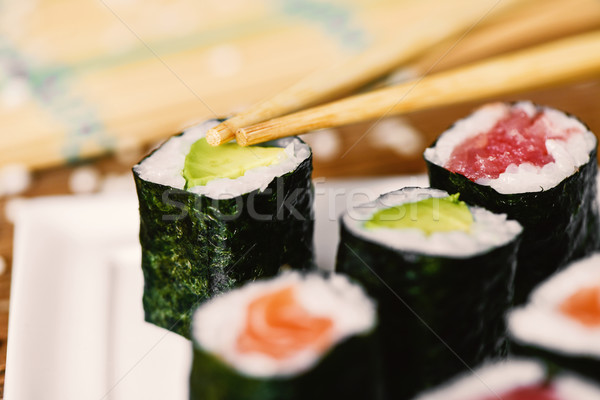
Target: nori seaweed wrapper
{"type": "Point", "coordinates": [438, 315]}
{"type": "Point", "coordinates": [559, 225]}
{"type": "Point", "coordinates": [194, 247]}
{"type": "Point", "coordinates": [348, 371]}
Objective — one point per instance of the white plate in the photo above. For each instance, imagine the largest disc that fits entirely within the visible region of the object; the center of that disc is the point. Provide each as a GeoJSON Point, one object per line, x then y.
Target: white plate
{"type": "Point", "coordinates": [76, 327]}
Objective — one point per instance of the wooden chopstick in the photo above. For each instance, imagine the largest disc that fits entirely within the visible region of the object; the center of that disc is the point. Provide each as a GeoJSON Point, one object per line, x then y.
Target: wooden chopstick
{"type": "Point", "coordinates": [560, 61]}
{"type": "Point", "coordinates": [434, 22]}
{"type": "Point", "coordinates": [526, 27]}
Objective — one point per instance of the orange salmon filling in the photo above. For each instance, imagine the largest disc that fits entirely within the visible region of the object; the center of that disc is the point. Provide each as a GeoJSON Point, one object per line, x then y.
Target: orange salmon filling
{"type": "Point", "coordinates": [278, 326]}
{"type": "Point", "coordinates": [584, 306]}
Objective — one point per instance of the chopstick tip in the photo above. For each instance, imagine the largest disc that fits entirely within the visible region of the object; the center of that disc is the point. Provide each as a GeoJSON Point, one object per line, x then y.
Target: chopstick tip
{"type": "Point", "coordinates": [219, 134]}
{"type": "Point", "coordinates": [241, 137]}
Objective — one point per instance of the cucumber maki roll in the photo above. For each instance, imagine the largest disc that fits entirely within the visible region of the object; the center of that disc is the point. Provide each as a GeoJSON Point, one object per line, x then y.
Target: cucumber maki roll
{"type": "Point", "coordinates": [535, 164]}
{"type": "Point", "coordinates": [561, 321]}
{"type": "Point", "coordinates": [292, 337]}
{"type": "Point", "coordinates": [215, 217]}
{"type": "Point", "coordinates": [518, 379]}
{"type": "Point", "coordinates": [442, 274]}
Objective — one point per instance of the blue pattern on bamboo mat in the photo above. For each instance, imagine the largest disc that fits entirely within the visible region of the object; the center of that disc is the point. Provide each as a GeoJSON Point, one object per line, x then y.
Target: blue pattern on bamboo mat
{"type": "Point", "coordinates": [338, 20]}
{"type": "Point", "coordinates": [50, 87]}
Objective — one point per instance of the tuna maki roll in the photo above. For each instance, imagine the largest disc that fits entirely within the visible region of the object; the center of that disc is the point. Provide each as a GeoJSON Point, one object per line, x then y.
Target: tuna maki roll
{"type": "Point", "coordinates": [441, 272]}
{"type": "Point", "coordinates": [561, 321]}
{"type": "Point", "coordinates": [535, 164]}
{"type": "Point", "coordinates": [215, 217]}
{"type": "Point", "coordinates": [292, 337]}
{"type": "Point", "coordinates": [515, 380]}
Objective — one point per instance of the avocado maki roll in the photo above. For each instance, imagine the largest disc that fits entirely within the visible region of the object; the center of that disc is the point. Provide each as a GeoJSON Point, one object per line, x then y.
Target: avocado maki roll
{"type": "Point", "coordinates": [561, 321]}
{"type": "Point", "coordinates": [441, 272]}
{"type": "Point", "coordinates": [537, 165]}
{"type": "Point", "coordinates": [212, 218]}
{"type": "Point", "coordinates": [291, 337]}
{"type": "Point", "coordinates": [518, 379]}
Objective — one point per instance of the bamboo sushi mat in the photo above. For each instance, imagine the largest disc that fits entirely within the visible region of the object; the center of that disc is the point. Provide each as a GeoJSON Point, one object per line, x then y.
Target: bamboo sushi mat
{"type": "Point", "coordinates": [79, 79]}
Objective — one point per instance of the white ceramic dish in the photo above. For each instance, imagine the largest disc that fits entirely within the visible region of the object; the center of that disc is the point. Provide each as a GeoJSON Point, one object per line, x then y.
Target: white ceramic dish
{"type": "Point", "coordinates": [76, 328]}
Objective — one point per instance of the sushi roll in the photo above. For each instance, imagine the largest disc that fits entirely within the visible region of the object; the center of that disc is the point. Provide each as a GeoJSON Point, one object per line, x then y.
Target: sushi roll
{"type": "Point", "coordinates": [292, 337]}
{"type": "Point", "coordinates": [561, 321]}
{"type": "Point", "coordinates": [212, 218]}
{"type": "Point", "coordinates": [442, 274]}
{"type": "Point", "coordinates": [535, 164]}
{"type": "Point", "coordinates": [518, 379]}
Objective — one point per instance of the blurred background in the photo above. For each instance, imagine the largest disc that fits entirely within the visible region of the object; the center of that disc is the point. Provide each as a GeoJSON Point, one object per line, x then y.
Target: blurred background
{"type": "Point", "coordinates": [87, 87]}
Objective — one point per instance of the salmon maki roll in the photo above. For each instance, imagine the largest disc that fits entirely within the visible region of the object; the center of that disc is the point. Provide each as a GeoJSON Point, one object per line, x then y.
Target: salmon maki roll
{"type": "Point", "coordinates": [292, 337]}
{"type": "Point", "coordinates": [561, 321]}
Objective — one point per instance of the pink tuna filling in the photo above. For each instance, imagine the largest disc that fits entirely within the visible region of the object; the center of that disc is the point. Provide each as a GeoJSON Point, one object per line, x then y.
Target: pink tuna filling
{"type": "Point", "coordinates": [537, 392]}
{"type": "Point", "coordinates": [515, 139]}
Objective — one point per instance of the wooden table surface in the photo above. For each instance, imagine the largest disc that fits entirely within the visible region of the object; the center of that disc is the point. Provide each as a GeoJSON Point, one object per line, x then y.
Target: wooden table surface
{"type": "Point", "coordinates": [367, 158]}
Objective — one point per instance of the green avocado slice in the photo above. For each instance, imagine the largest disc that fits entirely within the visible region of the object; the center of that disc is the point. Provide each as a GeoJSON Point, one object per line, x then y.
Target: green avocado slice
{"type": "Point", "coordinates": [430, 215]}
{"type": "Point", "coordinates": [204, 162]}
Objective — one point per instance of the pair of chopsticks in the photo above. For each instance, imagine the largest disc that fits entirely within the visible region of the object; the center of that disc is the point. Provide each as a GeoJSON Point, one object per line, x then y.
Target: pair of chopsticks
{"type": "Point", "coordinates": [444, 20]}
{"type": "Point", "coordinates": [560, 61]}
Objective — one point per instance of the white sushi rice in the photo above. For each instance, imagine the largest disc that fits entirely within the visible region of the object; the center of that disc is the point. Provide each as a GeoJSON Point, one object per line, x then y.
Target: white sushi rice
{"type": "Point", "coordinates": [569, 153]}
{"type": "Point", "coordinates": [165, 166]}
{"type": "Point", "coordinates": [488, 230]}
{"type": "Point", "coordinates": [571, 387]}
{"type": "Point", "coordinates": [492, 381]}
{"type": "Point", "coordinates": [540, 322]}
{"type": "Point", "coordinates": [218, 323]}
